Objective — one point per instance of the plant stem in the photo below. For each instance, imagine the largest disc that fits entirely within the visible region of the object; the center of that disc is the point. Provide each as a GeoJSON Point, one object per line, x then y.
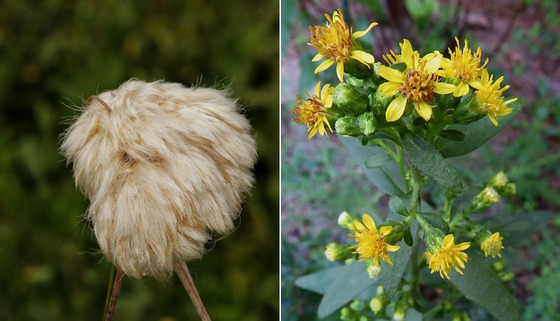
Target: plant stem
{"type": "Point", "coordinates": [115, 290]}
{"type": "Point", "coordinates": [184, 275]}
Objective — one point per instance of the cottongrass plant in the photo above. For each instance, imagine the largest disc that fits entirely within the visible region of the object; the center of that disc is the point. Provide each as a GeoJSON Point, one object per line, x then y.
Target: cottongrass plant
{"type": "Point", "coordinates": [164, 167]}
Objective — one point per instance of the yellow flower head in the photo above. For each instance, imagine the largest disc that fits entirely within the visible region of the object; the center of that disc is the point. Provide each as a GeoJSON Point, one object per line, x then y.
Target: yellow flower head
{"type": "Point", "coordinates": [490, 96]}
{"type": "Point", "coordinates": [416, 84]}
{"type": "Point", "coordinates": [492, 245]}
{"type": "Point", "coordinates": [337, 44]}
{"type": "Point", "coordinates": [464, 66]}
{"type": "Point", "coordinates": [311, 111]}
{"type": "Point", "coordinates": [371, 242]}
{"type": "Point", "coordinates": [447, 256]}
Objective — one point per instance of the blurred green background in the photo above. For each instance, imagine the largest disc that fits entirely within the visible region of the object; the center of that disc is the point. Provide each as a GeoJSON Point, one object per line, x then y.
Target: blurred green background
{"type": "Point", "coordinates": [320, 179]}
{"type": "Point", "coordinates": [54, 54]}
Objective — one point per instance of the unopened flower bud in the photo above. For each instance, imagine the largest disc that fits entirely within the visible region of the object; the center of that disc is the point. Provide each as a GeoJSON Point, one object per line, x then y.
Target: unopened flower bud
{"type": "Point", "coordinates": [499, 181]}
{"type": "Point", "coordinates": [376, 304]}
{"type": "Point", "coordinates": [509, 190]}
{"type": "Point", "coordinates": [374, 271]}
{"type": "Point", "coordinates": [349, 100]}
{"type": "Point", "coordinates": [498, 266]}
{"type": "Point", "coordinates": [379, 103]}
{"type": "Point", "coordinates": [396, 234]}
{"type": "Point", "coordinates": [506, 276]}
{"type": "Point", "coordinates": [485, 199]}
{"type": "Point", "coordinates": [367, 123]}
{"type": "Point", "coordinates": [468, 111]}
{"type": "Point", "coordinates": [346, 220]}
{"type": "Point", "coordinates": [348, 126]}
{"type": "Point", "coordinates": [337, 252]}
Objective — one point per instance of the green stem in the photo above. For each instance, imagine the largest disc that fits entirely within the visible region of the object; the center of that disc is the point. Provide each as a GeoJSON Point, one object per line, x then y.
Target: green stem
{"type": "Point", "coordinates": [109, 290]}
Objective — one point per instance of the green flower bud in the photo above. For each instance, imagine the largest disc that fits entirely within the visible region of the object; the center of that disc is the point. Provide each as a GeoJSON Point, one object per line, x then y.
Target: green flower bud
{"type": "Point", "coordinates": [346, 220]}
{"type": "Point", "coordinates": [509, 190]}
{"type": "Point", "coordinates": [485, 199]}
{"type": "Point", "coordinates": [367, 123]}
{"type": "Point", "coordinates": [356, 305]}
{"type": "Point", "coordinates": [468, 110]}
{"type": "Point", "coordinates": [506, 276]}
{"type": "Point", "coordinates": [499, 181]}
{"type": "Point", "coordinates": [349, 100]}
{"type": "Point", "coordinates": [348, 126]}
{"type": "Point", "coordinates": [376, 304]}
{"type": "Point", "coordinates": [498, 265]}
{"type": "Point", "coordinates": [379, 103]}
{"type": "Point", "coordinates": [346, 314]}
{"type": "Point", "coordinates": [374, 271]}
{"type": "Point", "coordinates": [333, 113]}
{"type": "Point", "coordinates": [357, 69]}
{"type": "Point", "coordinates": [396, 234]}
{"type": "Point", "coordinates": [337, 252]}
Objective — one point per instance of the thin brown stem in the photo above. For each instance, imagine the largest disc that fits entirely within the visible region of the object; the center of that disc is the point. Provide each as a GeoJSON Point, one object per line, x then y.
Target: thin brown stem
{"type": "Point", "coordinates": [101, 101]}
{"type": "Point", "coordinates": [115, 294]}
{"type": "Point", "coordinates": [184, 275]}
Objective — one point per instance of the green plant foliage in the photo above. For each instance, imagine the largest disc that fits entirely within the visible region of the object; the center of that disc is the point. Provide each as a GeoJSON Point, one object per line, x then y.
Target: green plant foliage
{"type": "Point", "coordinates": [476, 134]}
{"type": "Point", "coordinates": [430, 162]}
{"type": "Point", "coordinates": [386, 177]}
{"type": "Point", "coordinates": [481, 284]}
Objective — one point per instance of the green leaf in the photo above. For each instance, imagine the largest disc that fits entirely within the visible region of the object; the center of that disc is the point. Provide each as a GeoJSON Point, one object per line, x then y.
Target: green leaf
{"type": "Point", "coordinates": [349, 283]}
{"type": "Point", "coordinates": [320, 281]}
{"type": "Point", "coordinates": [517, 228]}
{"type": "Point", "coordinates": [452, 134]}
{"type": "Point", "coordinates": [476, 134]}
{"type": "Point", "coordinates": [430, 162]}
{"type": "Point", "coordinates": [413, 315]}
{"type": "Point", "coordinates": [397, 204]}
{"type": "Point", "coordinates": [391, 275]}
{"type": "Point", "coordinates": [435, 220]}
{"type": "Point", "coordinates": [386, 177]}
{"type": "Point", "coordinates": [377, 160]}
{"type": "Point", "coordinates": [481, 284]}
{"type": "Point", "coordinates": [463, 200]}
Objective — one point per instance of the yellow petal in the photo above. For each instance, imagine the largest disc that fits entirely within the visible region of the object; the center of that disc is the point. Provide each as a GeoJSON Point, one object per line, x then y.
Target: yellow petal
{"type": "Point", "coordinates": [395, 109]}
{"type": "Point", "coordinates": [462, 89]}
{"type": "Point", "coordinates": [424, 110]}
{"type": "Point", "coordinates": [340, 71]}
{"type": "Point", "coordinates": [392, 248]}
{"type": "Point", "coordinates": [368, 222]}
{"type": "Point", "coordinates": [493, 120]}
{"type": "Point", "coordinates": [359, 34]}
{"type": "Point", "coordinates": [362, 57]}
{"type": "Point", "coordinates": [448, 240]}
{"type": "Point", "coordinates": [317, 57]}
{"type": "Point", "coordinates": [391, 74]}
{"type": "Point", "coordinates": [443, 88]}
{"type": "Point", "coordinates": [359, 226]}
{"type": "Point", "coordinates": [433, 63]}
{"type": "Point", "coordinates": [385, 230]}
{"type": "Point", "coordinates": [407, 53]}
{"type": "Point", "coordinates": [389, 88]}
{"type": "Point", "coordinates": [323, 66]}
{"type": "Point", "coordinates": [318, 89]}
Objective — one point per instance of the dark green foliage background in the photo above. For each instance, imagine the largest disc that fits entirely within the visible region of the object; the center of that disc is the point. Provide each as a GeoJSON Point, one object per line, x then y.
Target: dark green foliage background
{"type": "Point", "coordinates": [54, 54]}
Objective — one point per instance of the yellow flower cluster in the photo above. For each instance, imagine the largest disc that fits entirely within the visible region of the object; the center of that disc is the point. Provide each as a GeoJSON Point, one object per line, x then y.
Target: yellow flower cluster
{"type": "Point", "coordinates": [311, 111]}
{"type": "Point", "coordinates": [371, 241]}
{"type": "Point", "coordinates": [417, 84]}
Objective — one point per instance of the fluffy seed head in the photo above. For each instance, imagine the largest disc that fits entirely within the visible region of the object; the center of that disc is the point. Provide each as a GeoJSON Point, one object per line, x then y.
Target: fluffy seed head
{"type": "Point", "coordinates": [164, 166]}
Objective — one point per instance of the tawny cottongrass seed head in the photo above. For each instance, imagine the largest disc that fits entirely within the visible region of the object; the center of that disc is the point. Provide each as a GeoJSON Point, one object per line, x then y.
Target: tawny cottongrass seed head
{"type": "Point", "coordinates": [164, 167]}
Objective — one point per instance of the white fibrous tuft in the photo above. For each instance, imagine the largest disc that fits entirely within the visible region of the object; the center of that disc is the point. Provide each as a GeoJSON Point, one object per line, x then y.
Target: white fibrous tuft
{"type": "Point", "coordinates": [164, 167]}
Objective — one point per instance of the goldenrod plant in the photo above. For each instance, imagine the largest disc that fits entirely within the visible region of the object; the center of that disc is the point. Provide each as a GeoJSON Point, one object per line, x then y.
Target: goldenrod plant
{"type": "Point", "coordinates": [402, 119]}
